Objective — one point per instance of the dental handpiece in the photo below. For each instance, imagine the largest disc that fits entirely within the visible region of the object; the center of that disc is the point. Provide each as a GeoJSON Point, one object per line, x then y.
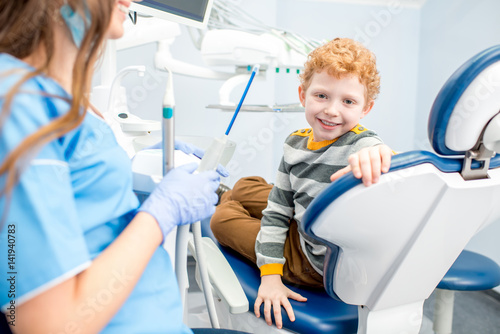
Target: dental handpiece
{"type": "Point", "coordinates": [168, 133]}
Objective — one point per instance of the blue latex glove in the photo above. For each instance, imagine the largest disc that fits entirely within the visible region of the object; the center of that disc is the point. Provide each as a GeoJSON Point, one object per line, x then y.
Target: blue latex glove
{"type": "Point", "coordinates": [181, 146]}
{"type": "Point", "coordinates": [191, 149]}
{"type": "Point", "coordinates": [182, 197]}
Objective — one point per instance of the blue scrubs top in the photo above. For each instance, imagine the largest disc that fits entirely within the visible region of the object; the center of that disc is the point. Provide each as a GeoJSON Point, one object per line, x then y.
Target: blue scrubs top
{"type": "Point", "coordinates": [73, 199]}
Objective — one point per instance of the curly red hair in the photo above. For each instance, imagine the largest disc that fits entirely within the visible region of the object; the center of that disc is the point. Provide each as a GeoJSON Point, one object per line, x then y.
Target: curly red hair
{"type": "Point", "coordinates": [342, 57]}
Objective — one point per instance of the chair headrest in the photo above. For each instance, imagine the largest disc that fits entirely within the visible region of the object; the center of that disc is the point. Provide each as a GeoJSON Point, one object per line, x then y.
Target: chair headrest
{"type": "Point", "coordinates": [466, 105]}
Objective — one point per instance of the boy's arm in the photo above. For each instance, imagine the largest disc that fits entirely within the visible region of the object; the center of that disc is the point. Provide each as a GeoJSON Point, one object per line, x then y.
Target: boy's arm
{"type": "Point", "coordinates": [275, 223]}
{"type": "Point", "coordinates": [274, 227]}
{"type": "Point", "coordinates": [367, 164]}
{"type": "Point", "coordinates": [269, 250]}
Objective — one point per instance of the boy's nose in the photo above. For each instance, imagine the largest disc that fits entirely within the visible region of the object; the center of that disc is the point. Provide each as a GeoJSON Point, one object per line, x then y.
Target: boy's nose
{"type": "Point", "coordinates": [331, 110]}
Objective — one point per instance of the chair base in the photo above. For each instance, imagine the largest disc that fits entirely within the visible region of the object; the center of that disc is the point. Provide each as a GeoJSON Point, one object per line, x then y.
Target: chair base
{"type": "Point", "coordinates": [443, 311]}
{"type": "Point", "coordinates": [401, 319]}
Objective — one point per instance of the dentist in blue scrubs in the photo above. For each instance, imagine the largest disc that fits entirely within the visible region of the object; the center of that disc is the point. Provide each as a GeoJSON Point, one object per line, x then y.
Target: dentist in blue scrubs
{"type": "Point", "coordinates": [79, 253]}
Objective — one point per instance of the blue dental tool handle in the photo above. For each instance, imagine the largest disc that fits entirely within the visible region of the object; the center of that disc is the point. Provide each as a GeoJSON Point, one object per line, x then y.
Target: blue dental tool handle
{"type": "Point", "coordinates": [254, 72]}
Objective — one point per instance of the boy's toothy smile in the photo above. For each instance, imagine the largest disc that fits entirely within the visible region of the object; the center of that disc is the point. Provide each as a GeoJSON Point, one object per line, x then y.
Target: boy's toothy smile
{"type": "Point", "coordinates": [328, 123]}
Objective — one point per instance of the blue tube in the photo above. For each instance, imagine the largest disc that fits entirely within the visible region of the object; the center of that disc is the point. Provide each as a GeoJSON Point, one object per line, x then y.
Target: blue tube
{"type": "Point", "coordinates": [254, 72]}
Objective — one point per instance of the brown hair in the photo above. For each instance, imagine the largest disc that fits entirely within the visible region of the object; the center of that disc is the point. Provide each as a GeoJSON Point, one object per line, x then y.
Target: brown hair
{"type": "Point", "coordinates": [341, 57]}
{"type": "Point", "coordinates": [27, 26]}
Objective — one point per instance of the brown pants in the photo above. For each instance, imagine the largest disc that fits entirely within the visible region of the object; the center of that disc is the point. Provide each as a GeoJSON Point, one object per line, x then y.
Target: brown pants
{"type": "Point", "coordinates": [236, 223]}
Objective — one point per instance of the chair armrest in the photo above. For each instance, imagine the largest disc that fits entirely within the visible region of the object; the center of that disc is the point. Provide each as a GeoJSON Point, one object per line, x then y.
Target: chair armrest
{"type": "Point", "coordinates": [222, 278]}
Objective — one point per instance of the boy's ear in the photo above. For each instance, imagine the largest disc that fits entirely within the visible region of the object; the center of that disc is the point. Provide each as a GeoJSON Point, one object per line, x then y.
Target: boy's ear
{"type": "Point", "coordinates": [302, 96]}
{"type": "Point", "coordinates": [368, 108]}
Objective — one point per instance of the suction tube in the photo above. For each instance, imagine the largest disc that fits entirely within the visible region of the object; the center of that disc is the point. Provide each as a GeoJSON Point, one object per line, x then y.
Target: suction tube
{"type": "Point", "coordinates": [254, 72]}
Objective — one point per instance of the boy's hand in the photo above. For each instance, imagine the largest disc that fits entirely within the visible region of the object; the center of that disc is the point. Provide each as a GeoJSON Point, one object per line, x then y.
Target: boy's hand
{"type": "Point", "coordinates": [273, 293]}
{"type": "Point", "coordinates": [367, 164]}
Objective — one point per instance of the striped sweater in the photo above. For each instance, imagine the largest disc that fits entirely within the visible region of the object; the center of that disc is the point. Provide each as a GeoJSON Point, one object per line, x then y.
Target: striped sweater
{"type": "Point", "coordinates": [304, 172]}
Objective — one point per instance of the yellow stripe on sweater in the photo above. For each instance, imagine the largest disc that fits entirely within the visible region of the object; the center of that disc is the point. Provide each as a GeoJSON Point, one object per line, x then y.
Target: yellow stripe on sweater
{"type": "Point", "coordinates": [313, 145]}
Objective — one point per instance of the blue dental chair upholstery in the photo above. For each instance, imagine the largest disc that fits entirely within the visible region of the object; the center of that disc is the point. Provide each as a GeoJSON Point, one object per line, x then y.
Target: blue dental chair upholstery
{"type": "Point", "coordinates": [388, 255]}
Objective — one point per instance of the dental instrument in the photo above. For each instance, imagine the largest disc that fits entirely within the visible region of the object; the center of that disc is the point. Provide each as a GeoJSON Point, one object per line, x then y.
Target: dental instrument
{"type": "Point", "coordinates": [168, 124]}
{"type": "Point", "coordinates": [168, 149]}
{"type": "Point", "coordinates": [215, 151]}
{"type": "Point", "coordinates": [168, 145]}
{"type": "Point", "coordinates": [210, 161]}
{"type": "Point", "coordinates": [254, 72]}
{"type": "Point", "coordinates": [182, 237]}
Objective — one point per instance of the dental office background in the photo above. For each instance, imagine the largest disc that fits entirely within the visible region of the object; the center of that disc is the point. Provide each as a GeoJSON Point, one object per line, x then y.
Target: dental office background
{"type": "Point", "coordinates": [418, 45]}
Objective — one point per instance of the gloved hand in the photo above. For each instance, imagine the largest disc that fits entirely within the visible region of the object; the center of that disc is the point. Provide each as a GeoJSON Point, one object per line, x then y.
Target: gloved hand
{"type": "Point", "coordinates": [182, 197]}
{"type": "Point", "coordinates": [181, 146]}
{"type": "Point", "coordinates": [191, 149]}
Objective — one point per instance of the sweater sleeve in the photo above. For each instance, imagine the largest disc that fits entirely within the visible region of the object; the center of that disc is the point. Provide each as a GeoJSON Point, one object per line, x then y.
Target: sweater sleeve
{"type": "Point", "coordinates": [275, 224]}
{"type": "Point", "coordinates": [366, 141]}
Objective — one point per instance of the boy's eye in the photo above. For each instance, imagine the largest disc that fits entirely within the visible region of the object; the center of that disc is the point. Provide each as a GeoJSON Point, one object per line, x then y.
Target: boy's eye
{"type": "Point", "coordinates": [322, 96]}
{"type": "Point", "coordinates": [349, 101]}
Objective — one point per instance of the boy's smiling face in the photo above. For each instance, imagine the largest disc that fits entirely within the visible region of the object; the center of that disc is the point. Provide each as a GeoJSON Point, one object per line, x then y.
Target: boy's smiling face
{"type": "Point", "coordinates": [333, 106]}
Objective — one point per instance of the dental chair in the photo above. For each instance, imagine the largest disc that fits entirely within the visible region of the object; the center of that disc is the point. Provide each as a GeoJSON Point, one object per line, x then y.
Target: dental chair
{"type": "Point", "coordinates": [391, 244]}
{"type": "Point", "coordinates": [421, 215]}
